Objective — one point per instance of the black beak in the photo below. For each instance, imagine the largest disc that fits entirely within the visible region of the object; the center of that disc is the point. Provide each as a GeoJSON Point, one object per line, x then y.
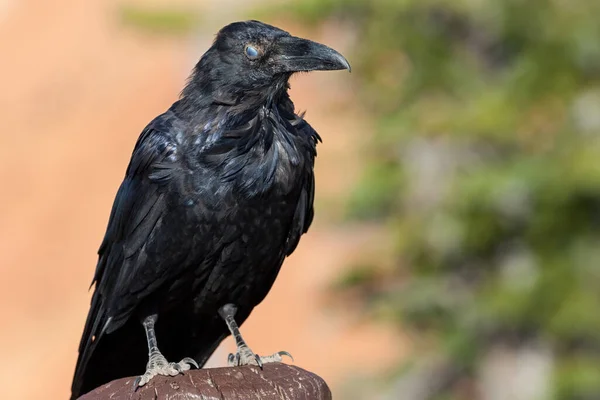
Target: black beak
{"type": "Point", "coordinates": [296, 54]}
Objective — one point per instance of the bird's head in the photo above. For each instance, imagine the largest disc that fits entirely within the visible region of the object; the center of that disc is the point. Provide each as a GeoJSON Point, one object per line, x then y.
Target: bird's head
{"type": "Point", "coordinates": [251, 57]}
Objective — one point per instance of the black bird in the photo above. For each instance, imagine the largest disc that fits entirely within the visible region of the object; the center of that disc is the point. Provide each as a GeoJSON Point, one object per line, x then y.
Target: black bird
{"type": "Point", "coordinates": [218, 191]}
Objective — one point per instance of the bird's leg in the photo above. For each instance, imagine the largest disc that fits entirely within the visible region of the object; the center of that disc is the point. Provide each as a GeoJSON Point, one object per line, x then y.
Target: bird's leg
{"type": "Point", "coordinates": [243, 355]}
{"type": "Point", "coordinates": [157, 363]}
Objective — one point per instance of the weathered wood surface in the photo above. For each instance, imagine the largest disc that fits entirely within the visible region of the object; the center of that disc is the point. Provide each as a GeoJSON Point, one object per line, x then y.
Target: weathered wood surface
{"type": "Point", "coordinates": [275, 382]}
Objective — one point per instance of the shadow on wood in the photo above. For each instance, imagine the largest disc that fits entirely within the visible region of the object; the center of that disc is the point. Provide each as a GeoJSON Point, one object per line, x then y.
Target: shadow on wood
{"type": "Point", "coordinates": [275, 382]}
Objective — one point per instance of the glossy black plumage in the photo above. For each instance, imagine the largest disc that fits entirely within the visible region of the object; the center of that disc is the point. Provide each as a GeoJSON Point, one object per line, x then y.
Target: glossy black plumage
{"type": "Point", "coordinates": [218, 191]}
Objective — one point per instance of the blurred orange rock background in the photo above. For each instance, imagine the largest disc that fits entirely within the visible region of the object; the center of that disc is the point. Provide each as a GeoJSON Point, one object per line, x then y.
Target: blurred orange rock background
{"type": "Point", "coordinates": [77, 88]}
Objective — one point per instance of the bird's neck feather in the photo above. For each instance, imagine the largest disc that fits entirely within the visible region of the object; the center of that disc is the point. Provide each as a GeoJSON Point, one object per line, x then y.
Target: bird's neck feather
{"type": "Point", "coordinates": [206, 87]}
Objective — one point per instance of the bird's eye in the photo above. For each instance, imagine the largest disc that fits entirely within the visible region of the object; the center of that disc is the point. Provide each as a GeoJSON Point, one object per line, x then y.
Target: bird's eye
{"type": "Point", "coordinates": [251, 52]}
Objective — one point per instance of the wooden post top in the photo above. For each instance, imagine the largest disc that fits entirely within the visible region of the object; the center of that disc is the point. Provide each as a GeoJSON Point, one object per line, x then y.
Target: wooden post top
{"type": "Point", "coordinates": [274, 382]}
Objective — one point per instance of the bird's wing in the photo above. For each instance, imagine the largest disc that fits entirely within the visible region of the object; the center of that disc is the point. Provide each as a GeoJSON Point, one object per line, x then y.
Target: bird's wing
{"type": "Point", "coordinates": [304, 209]}
{"type": "Point", "coordinates": [123, 278]}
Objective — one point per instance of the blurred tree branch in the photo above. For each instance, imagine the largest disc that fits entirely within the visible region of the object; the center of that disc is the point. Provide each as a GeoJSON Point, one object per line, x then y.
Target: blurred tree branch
{"type": "Point", "coordinates": [485, 167]}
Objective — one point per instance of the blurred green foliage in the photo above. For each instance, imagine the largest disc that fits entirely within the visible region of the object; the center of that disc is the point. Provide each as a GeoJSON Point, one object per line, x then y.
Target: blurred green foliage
{"type": "Point", "coordinates": [160, 20]}
{"type": "Point", "coordinates": [486, 169]}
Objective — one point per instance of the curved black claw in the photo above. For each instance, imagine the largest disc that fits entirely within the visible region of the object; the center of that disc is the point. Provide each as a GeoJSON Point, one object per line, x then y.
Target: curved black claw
{"type": "Point", "coordinates": [285, 353]}
{"type": "Point", "coordinates": [136, 383]}
{"type": "Point", "coordinates": [258, 361]}
{"type": "Point", "coordinates": [180, 366]}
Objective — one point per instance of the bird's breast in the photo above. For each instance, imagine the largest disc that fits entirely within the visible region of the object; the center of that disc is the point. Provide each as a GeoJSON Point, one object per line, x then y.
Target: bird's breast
{"type": "Point", "coordinates": [239, 249]}
{"type": "Point", "coordinates": [272, 165]}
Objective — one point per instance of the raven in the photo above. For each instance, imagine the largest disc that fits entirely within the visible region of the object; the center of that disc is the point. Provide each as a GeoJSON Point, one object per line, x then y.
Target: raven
{"type": "Point", "coordinates": [217, 193]}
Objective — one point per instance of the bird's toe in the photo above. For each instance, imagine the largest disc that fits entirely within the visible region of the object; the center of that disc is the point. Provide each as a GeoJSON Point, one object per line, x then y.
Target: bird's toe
{"type": "Point", "coordinates": [276, 357]}
{"type": "Point", "coordinates": [159, 366]}
{"type": "Point", "coordinates": [143, 379]}
{"type": "Point", "coordinates": [189, 361]}
{"type": "Point", "coordinates": [185, 364]}
{"type": "Point", "coordinates": [245, 356]}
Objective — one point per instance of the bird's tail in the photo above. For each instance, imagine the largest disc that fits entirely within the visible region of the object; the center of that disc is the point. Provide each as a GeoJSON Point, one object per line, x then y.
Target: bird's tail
{"type": "Point", "coordinates": [108, 357]}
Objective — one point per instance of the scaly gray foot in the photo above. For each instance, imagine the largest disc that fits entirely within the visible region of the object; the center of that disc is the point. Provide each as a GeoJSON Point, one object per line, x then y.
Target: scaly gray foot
{"type": "Point", "coordinates": [158, 365]}
{"type": "Point", "coordinates": [245, 356]}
